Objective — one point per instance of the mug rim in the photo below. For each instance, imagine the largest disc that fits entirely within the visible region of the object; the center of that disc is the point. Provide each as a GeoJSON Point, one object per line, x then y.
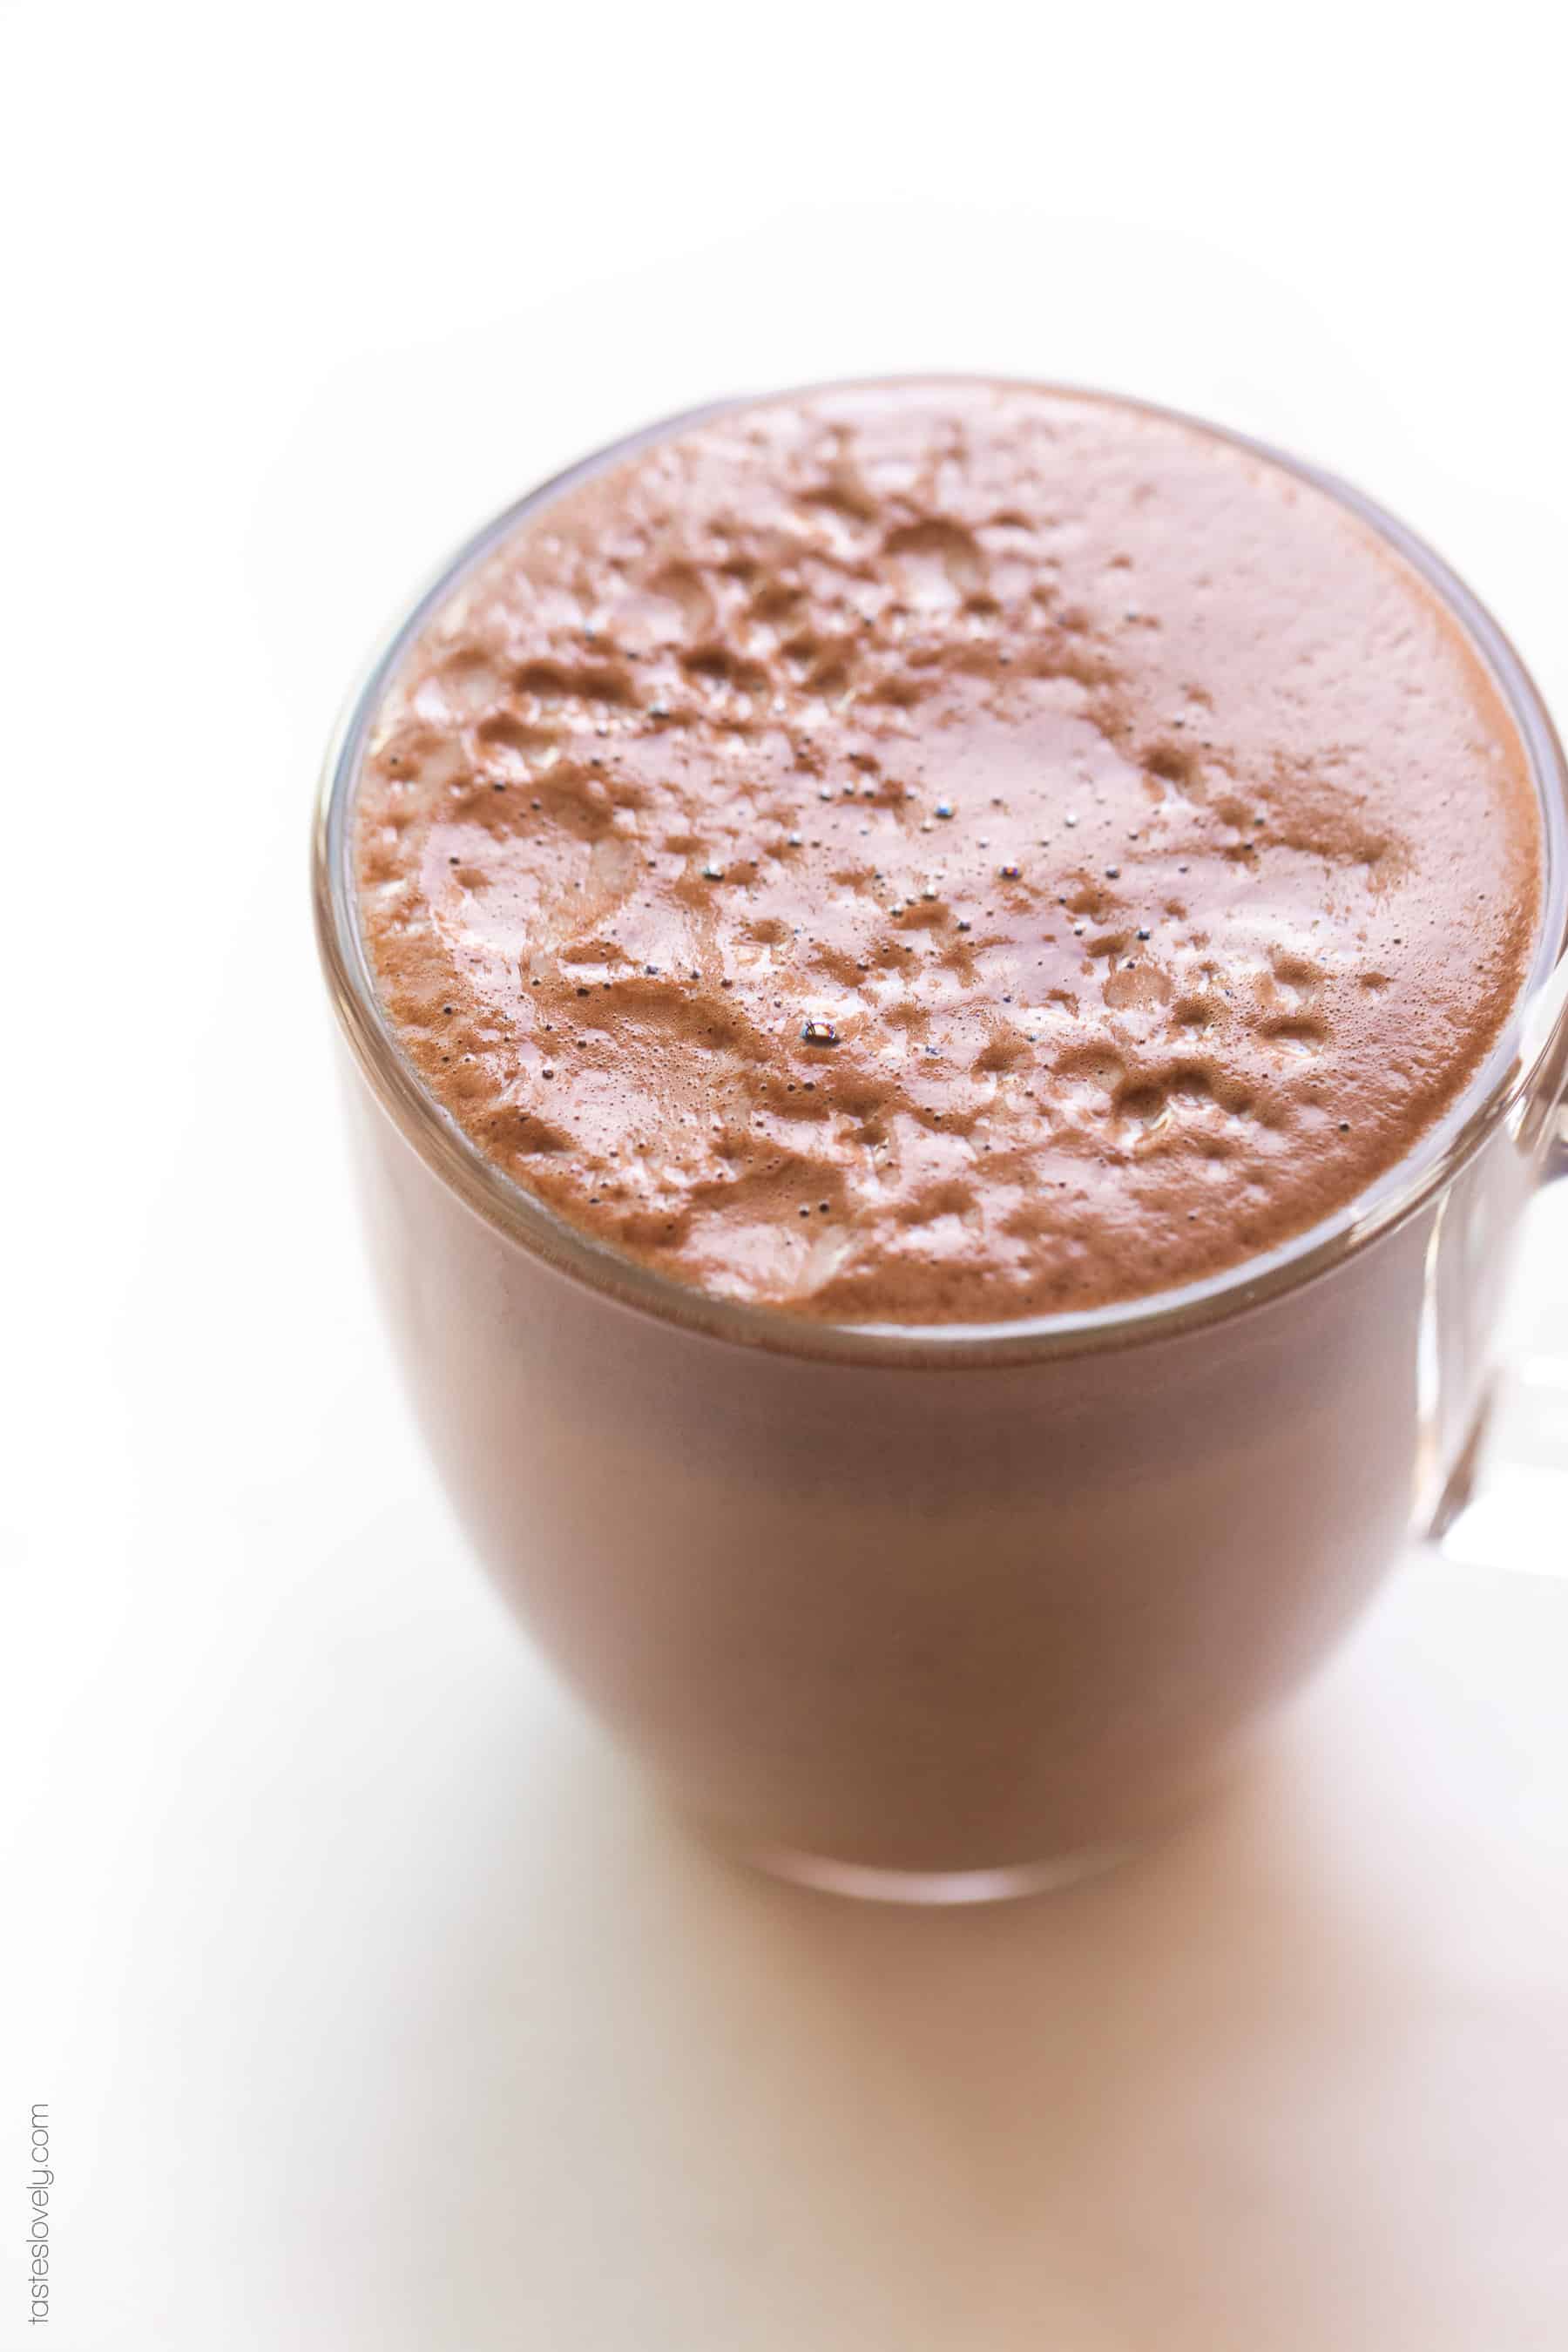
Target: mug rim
{"type": "Point", "coordinates": [1500, 1087]}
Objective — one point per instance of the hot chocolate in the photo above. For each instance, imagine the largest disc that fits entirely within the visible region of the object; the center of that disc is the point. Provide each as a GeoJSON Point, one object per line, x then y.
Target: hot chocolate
{"type": "Point", "coordinates": [841, 880]}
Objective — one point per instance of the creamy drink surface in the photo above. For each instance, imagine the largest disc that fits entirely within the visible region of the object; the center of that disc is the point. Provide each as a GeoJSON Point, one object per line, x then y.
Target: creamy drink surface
{"type": "Point", "coordinates": [944, 853]}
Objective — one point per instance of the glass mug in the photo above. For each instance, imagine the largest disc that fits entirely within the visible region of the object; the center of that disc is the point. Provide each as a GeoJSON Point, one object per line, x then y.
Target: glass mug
{"type": "Point", "coordinates": [945, 1613]}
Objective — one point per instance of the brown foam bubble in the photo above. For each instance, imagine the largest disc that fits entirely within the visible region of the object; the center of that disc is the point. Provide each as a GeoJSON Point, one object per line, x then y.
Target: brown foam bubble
{"type": "Point", "coordinates": [945, 851]}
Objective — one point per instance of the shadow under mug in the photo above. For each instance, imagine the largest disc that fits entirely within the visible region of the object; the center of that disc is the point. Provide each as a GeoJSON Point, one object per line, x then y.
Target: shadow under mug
{"type": "Point", "coordinates": [941, 1614]}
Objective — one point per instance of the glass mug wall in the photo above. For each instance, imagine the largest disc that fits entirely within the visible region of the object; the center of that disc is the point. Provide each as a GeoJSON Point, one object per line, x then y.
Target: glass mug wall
{"type": "Point", "coordinates": [944, 1612]}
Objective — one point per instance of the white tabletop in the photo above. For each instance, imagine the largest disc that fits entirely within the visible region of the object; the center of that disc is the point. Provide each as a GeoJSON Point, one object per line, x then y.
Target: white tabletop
{"type": "Point", "coordinates": [374, 2004]}
{"type": "Point", "coordinates": [389, 2013]}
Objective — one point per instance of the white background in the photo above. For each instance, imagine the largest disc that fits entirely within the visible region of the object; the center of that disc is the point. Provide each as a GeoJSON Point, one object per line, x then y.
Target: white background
{"type": "Point", "coordinates": [373, 2005]}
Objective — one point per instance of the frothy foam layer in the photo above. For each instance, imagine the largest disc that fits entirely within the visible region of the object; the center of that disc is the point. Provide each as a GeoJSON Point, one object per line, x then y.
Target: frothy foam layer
{"type": "Point", "coordinates": [945, 851]}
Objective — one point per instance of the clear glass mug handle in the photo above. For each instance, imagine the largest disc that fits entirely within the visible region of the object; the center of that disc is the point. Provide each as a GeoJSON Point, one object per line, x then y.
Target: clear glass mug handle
{"type": "Point", "coordinates": [1557, 1145]}
{"type": "Point", "coordinates": [1506, 1504]}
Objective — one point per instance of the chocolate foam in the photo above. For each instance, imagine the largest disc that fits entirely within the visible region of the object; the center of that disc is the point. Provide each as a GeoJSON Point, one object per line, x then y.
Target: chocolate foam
{"type": "Point", "coordinates": [945, 851]}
